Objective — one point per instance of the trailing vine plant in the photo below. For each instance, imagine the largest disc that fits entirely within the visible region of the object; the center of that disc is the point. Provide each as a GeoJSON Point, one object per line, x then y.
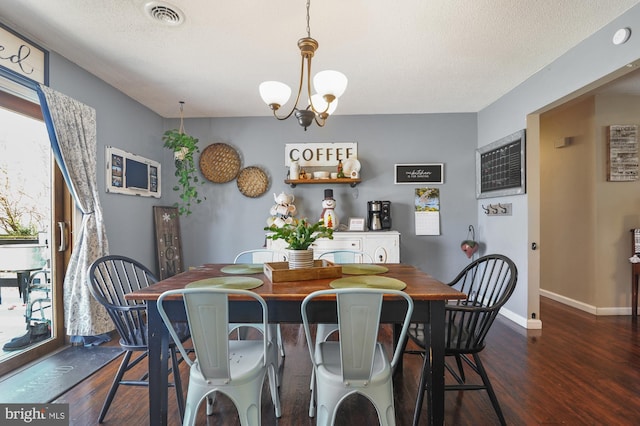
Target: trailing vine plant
{"type": "Point", "coordinates": [184, 147]}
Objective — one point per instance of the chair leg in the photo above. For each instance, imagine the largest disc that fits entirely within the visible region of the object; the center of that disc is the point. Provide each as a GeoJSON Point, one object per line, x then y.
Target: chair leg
{"type": "Point", "coordinates": [209, 402]}
{"type": "Point", "coordinates": [460, 368]}
{"type": "Point", "coordinates": [247, 403]}
{"type": "Point", "coordinates": [177, 382]}
{"type": "Point", "coordinates": [191, 407]}
{"type": "Point", "coordinates": [114, 386]}
{"type": "Point", "coordinates": [273, 386]}
{"type": "Point", "coordinates": [487, 383]}
{"type": "Point", "coordinates": [327, 406]}
{"type": "Point", "coordinates": [312, 400]}
{"type": "Point", "coordinates": [279, 340]}
{"type": "Point", "coordinates": [426, 369]}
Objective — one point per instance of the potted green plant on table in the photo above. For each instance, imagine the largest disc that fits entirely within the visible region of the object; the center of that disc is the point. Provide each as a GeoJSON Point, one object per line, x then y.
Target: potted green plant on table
{"type": "Point", "coordinates": [184, 147]}
{"type": "Point", "coordinates": [299, 235]}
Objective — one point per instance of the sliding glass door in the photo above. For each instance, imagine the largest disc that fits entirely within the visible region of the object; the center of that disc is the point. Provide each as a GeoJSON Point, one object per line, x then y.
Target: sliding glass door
{"type": "Point", "coordinates": [34, 221]}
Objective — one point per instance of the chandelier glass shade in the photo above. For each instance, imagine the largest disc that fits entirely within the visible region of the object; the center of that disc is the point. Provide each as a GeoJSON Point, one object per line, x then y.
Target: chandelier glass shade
{"type": "Point", "coordinates": [329, 85]}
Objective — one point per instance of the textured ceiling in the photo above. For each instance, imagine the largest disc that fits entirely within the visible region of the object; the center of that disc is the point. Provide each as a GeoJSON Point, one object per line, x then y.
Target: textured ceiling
{"type": "Point", "coordinates": [412, 56]}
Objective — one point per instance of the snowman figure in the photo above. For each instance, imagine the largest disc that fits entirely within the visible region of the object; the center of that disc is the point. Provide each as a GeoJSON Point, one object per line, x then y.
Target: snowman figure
{"type": "Point", "coordinates": [328, 215]}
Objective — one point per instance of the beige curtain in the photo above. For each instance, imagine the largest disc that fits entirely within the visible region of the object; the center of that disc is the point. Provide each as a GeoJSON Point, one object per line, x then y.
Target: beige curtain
{"type": "Point", "coordinates": [72, 131]}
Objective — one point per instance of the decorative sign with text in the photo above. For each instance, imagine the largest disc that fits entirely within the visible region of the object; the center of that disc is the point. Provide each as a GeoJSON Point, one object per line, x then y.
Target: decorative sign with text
{"type": "Point", "coordinates": [319, 154]}
{"type": "Point", "coordinates": [168, 241]}
{"type": "Point", "coordinates": [23, 57]}
{"type": "Point", "coordinates": [419, 173]}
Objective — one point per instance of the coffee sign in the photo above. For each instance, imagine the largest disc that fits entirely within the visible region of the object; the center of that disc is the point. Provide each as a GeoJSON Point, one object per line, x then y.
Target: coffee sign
{"type": "Point", "coordinates": [319, 154]}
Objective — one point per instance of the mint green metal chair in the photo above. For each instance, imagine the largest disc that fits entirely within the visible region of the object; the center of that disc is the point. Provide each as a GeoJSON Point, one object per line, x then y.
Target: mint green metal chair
{"type": "Point", "coordinates": [236, 368]}
{"type": "Point", "coordinates": [357, 363]}
{"type": "Point", "coordinates": [254, 257]}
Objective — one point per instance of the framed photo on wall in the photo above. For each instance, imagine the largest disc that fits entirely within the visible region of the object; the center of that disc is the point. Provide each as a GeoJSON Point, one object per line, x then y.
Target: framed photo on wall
{"type": "Point", "coordinates": [622, 163]}
{"type": "Point", "coordinates": [131, 174]}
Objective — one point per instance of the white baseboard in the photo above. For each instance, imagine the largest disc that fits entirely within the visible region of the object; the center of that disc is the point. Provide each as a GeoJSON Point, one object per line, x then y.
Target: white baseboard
{"type": "Point", "coordinates": [529, 324]}
{"type": "Point", "coordinates": [613, 311]}
{"type": "Point", "coordinates": [586, 307]}
{"type": "Point", "coordinates": [536, 324]}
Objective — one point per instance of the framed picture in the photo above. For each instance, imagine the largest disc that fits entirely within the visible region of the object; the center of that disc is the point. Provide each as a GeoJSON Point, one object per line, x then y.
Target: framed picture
{"type": "Point", "coordinates": [419, 173]}
{"type": "Point", "coordinates": [131, 174]}
{"type": "Point", "coordinates": [622, 163]}
{"type": "Point", "coordinates": [500, 167]}
{"type": "Point", "coordinates": [356, 224]}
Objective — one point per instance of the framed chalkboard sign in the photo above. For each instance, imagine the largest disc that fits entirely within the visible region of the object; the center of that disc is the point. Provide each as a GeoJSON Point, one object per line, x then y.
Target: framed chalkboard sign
{"type": "Point", "coordinates": [419, 173]}
{"type": "Point", "coordinates": [500, 167]}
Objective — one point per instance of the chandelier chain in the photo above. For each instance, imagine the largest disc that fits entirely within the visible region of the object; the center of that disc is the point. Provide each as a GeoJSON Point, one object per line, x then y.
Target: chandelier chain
{"type": "Point", "coordinates": [308, 18]}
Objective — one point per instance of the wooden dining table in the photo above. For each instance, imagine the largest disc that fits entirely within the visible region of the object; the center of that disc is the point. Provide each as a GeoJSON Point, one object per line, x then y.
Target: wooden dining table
{"type": "Point", "coordinates": [284, 300]}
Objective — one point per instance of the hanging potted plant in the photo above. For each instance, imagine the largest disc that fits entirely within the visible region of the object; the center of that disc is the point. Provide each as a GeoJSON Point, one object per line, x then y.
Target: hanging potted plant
{"type": "Point", "coordinates": [470, 246]}
{"type": "Point", "coordinates": [184, 147]}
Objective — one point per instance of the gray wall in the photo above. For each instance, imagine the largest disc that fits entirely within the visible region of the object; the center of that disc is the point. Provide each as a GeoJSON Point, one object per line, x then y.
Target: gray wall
{"type": "Point", "coordinates": [228, 222]}
{"type": "Point", "coordinates": [125, 124]}
{"type": "Point", "coordinates": [594, 59]}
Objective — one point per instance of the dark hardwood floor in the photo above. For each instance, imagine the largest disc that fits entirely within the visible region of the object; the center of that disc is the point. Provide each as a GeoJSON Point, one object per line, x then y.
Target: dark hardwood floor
{"type": "Point", "coordinates": [579, 370]}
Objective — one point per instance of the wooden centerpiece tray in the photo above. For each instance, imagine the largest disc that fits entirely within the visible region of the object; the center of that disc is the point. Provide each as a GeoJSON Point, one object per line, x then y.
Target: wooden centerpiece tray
{"type": "Point", "coordinates": [278, 272]}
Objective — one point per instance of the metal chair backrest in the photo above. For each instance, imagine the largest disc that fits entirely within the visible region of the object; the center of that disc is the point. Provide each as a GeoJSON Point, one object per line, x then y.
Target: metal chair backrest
{"type": "Point", "coordinates": [110, 278]}
{"type": "Point", "coordinates": [489, 282]}
{"type": "Point", "coordinates": [260, 256]}
{"type": "Point", "coordinates": [358, 321]}
{"type": "Point", "coordinates": [208, 317]}
{"type": "Point", "coordinates": [347, 256]}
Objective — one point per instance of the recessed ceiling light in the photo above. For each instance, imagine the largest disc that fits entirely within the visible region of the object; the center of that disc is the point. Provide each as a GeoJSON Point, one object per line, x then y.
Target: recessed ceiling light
{"type": "Point", "coordinates": [164, 13]}
{"type": "Point", "coordinates": [621, 36]}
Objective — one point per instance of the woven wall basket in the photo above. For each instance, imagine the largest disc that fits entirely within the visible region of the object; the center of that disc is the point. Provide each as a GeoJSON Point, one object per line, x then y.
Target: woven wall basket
{"type": "Point", "coordinates": [252, 182]}
{"type": "Point", "coordinates": [219, 163]}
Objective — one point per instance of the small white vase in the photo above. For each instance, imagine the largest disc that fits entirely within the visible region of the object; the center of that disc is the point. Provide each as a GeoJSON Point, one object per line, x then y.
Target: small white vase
{"type": "Point", "coordinates": [299, 259]}
{"type": "Point", "coordinates": [294, 170]}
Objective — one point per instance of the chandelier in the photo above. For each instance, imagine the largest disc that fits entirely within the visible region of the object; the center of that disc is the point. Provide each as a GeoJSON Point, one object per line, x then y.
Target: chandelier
{"type": "Point", "coordinates": [329, 86]}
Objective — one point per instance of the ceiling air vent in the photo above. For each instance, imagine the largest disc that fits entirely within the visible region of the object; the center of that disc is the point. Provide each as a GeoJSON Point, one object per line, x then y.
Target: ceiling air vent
{"type": "Point", "coordinates": [164, 13]}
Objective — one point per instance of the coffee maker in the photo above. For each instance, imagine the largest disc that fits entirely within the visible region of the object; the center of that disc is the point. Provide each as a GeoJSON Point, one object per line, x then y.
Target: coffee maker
{"type": "Point", "coordinates": [379, 215]}
{"type": "Point", "coordinates": [385, 215]}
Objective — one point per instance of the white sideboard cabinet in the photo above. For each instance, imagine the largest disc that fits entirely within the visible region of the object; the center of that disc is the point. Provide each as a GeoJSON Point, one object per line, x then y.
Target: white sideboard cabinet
{"type": "Point", "coordinates": [382, 246]}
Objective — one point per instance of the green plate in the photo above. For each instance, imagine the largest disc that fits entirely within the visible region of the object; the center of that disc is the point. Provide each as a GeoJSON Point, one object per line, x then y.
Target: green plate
{"type": "Point", "coordinates": [368, 281]}
{"type": "Point", "coordinates": [239, 283]}
{"type": "Point", "coordinates": [363, 269]}
{"type": "Point", "coordinates": [243, 268]}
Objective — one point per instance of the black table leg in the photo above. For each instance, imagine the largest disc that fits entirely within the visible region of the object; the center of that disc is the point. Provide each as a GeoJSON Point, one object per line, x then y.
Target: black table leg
{"type": "Point", "coordinates": [158, 367]}
{"type": "Point", "coordinates": [433, 383]}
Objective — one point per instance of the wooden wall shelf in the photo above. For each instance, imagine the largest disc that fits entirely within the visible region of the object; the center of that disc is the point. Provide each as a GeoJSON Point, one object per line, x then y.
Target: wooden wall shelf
{"type": "Point", "coordinates": [342, 181]}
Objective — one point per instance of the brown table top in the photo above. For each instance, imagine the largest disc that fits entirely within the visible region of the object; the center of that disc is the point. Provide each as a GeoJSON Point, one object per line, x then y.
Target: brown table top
{"type": "Point", "coordinates": [420, 286]}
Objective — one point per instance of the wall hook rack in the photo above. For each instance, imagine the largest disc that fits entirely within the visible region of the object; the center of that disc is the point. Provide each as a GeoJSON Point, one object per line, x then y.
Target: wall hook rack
{"type": "Point", "coordinates": [499, 209]}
